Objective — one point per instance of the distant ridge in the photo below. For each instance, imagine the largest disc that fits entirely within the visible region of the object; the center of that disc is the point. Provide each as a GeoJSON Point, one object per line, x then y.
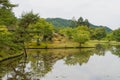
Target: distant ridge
{"type": "Point", "coordinates": [59, 22]}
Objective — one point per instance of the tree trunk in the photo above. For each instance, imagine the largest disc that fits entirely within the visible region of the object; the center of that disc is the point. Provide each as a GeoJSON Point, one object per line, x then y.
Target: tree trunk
{"type": "Point", "coordinates": [80, 45]}
{"type": "Point", "coordinates": [25, 52]}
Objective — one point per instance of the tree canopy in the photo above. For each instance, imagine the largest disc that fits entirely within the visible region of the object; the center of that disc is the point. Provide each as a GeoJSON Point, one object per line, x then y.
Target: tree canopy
{"type": "Point", "coordinates": [116, 34]}
{"type": "Point", "coordinates": [98, 33]}
{"type": "Point", "coordinates": [7, 17]}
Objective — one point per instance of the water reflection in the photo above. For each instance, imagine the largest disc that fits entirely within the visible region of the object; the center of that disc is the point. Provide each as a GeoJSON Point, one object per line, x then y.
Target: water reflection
{"type": "Point", "coordinates": [79, 58]}
{"type": "Point", "coordinates": [116, 50]}
{"type": "Point", "coordinates": [41, 63]}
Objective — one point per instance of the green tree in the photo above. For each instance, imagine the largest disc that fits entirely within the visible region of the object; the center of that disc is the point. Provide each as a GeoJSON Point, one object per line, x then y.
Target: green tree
{"type": "Point", "coordinates": [81, 36]}
{"type": "Point", "coordinates": [22, 32]}
{"type": "Point", "coordinates": [109, 36]}
{"type": "Point", "coordinates": [86, 22]}
{"type": "Point", "coordinates": [98, 33]}
{"type": "Point", "coordinates": [116, 34]}
{"type": "Point", "coordinates": [4, 39]}
{"type": "Point", "coordinates": [6, 4]}
{"type": "Point", "coordinates": [27, 19]}
{"type": "Point", "coordinates": [73, 23]}
{"type": "Point", "coordinates": [85, 28]}
{"type": "Point", "coordinates": [67, 32]}
{"type": "Point", "coordinates": [42, 30]}
{"type": "Point", "coordinates": [80, 21]}
{"type": "Point", "coordinates": [7, 43]}
{"type": "Point", "coordinates": [7, 17]}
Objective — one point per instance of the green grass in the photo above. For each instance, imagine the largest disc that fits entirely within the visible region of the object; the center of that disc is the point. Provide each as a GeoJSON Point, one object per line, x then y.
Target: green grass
{"type": "Point", "coordinates": [53, 45]}
{"type": "Point", "coordinates": [69, 44]}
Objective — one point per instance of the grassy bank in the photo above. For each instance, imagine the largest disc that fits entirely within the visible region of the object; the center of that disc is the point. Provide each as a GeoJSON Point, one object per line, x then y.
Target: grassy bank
{"type": "Point", "coordinates": [68, 44]}
{"type": "Point", "coordinates": [57, 45]}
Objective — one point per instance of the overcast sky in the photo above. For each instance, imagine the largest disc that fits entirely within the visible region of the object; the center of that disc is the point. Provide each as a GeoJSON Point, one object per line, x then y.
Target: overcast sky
{"type": "Point", "coordinates": [99, 12]}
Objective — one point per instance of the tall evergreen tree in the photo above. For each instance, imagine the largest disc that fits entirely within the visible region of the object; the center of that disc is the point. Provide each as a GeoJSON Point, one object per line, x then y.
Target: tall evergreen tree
{"type": "Point", "coordinates": [23, 29]}
{"type": "Point", "coordinates": [73, 23]}
{"type": "Point", "coordinates": [6, 4]}
{"type": "Point", "coordinates": [80, 21]}
{"type": "Point", "coordinates": [7, 17]}
{"type": "Point", "coordinates": [86, 23]}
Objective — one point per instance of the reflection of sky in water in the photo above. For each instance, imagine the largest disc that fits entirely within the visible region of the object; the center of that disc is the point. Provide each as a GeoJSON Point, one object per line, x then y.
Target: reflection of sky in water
{"type": "Point", "coordinates": [98, 68]}
{"type": "Point", "coordinates": [27, 69]}
{"type": "Point", "coordinates": [105, 67]}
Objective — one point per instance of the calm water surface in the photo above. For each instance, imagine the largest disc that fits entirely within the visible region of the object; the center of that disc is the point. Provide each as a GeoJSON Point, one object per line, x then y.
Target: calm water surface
{"type": "Point", "coordinates": [102, 63]}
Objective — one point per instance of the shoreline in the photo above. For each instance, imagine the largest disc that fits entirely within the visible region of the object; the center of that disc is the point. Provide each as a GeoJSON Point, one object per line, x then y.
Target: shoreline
{"type": "Point", "coordinates": [57, 46]}
{"type": "Point", "coordinates": [61, 48]}
{"type": "Point", "coordinates": [15, 56]}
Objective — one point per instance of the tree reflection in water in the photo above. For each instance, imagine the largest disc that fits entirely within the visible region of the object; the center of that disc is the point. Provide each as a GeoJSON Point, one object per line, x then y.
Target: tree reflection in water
{"type": "Point", "coordinates": [40, 62]}
{"type": "Point", "coordinates": [8, 68]}
{"type": "Point", "coordinates": [116, 50]}
{"type": "Point", "coordinates": [80, 57]}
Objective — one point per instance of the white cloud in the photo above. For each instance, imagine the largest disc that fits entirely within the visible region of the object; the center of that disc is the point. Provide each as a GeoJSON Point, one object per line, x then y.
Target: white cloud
{"type": "Point", "coordinates": [100, 12]}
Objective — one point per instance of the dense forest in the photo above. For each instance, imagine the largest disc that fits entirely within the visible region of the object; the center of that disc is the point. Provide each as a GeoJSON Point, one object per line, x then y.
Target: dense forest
{"type": "Point", "coordinates": [59, 22]}
{"type": "Point", "coordinates": [30, 30]}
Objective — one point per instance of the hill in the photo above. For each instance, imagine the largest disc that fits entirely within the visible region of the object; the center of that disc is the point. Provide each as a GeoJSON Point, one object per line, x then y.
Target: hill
{"type": "Point", "coordinates": [96, 26]}
{"type": "Point", "coordinates": [59, 22]}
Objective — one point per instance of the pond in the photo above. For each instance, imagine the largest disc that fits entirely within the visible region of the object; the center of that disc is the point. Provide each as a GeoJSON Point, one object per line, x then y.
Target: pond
{"type": "Point", "coordinates": [101, 63]}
